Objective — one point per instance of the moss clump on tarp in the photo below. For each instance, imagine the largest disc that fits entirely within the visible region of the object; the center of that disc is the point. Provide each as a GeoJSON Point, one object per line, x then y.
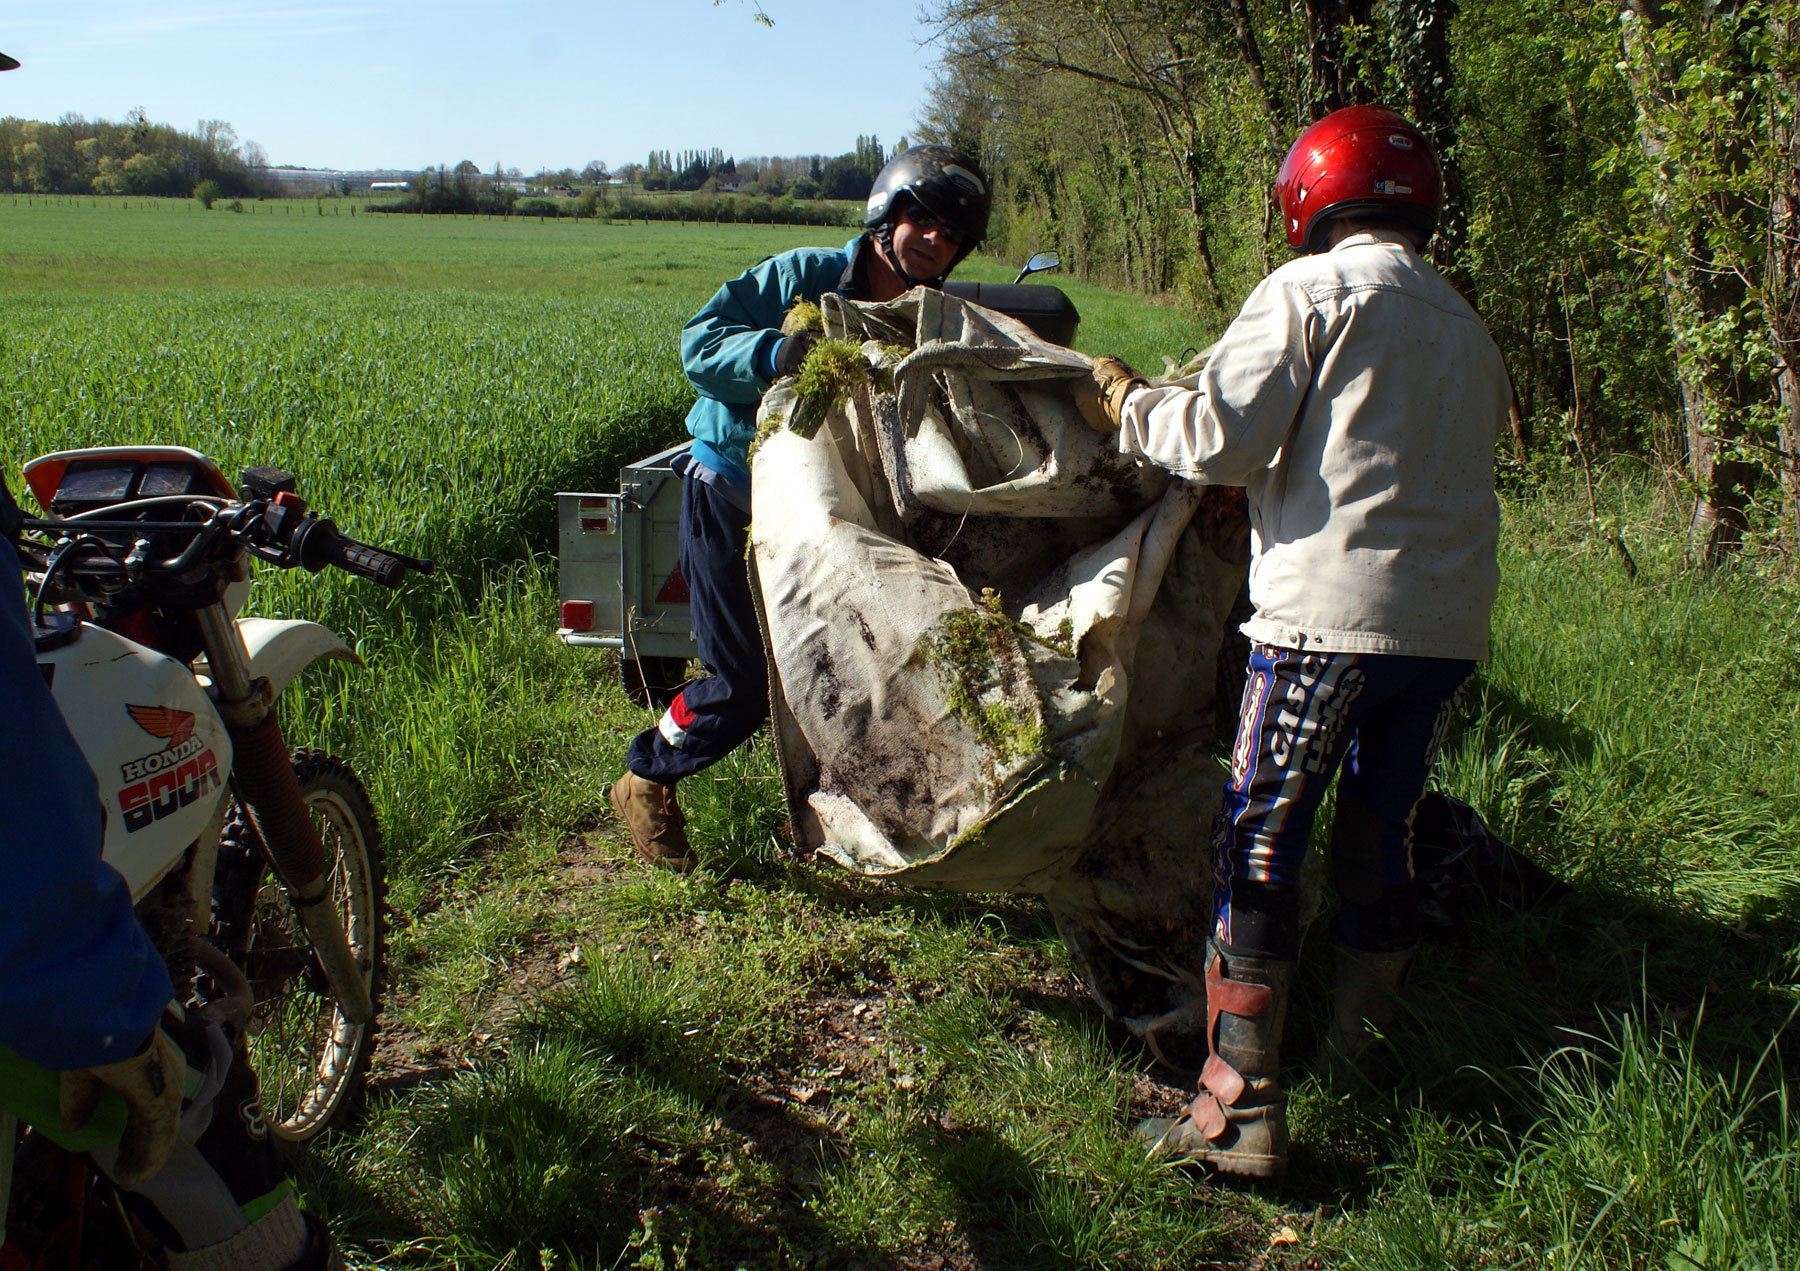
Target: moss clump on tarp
{"type": "Point", "coordinates": [963, 649]}
{"type": "Point", "coordinates": [775, 422]}
{"type": "Point", "coordinates": [831, 373]}
{"type": "Point", "coordinates": [891, 356]}
{"type": "Point", "coordinates": [1062, 641]}
{"type": "Point", "coordinates": [973, 839]}
{"type": "Point", "coordinates": [803, 315]}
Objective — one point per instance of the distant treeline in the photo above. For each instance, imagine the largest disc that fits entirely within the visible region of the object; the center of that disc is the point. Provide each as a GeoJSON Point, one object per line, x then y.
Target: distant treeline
{"type": "Point", "coordinates": [461, 192]}
{"type": "Point", "coordinates": [848, 176]}
{"type": "Point", "coordinates": [729, 208]}
{"type": "Point", "coordinates": [82, 156]}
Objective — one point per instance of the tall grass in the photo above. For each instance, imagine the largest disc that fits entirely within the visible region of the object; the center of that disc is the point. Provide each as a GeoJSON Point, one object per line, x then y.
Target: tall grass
{"type": "Point", "coordinates": [1644, 1155]}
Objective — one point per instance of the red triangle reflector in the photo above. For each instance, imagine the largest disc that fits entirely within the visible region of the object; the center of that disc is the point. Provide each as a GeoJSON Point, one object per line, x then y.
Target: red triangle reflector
{"type": "Point", "coordinates": [674, 590]}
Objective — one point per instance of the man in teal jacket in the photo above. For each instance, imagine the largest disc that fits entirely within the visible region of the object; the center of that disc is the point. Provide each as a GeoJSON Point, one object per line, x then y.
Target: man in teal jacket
{"type": "Point", "coordinates": [928, 209]}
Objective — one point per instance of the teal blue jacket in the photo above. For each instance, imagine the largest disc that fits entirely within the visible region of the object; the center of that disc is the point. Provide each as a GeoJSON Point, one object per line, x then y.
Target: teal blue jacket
{"type": "Point", "coordinates": [728, 348]}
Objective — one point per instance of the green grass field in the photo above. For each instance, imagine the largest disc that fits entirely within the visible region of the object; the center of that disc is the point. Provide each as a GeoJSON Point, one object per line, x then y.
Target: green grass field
{"type": "Point", "coordinates": [768, 1064]}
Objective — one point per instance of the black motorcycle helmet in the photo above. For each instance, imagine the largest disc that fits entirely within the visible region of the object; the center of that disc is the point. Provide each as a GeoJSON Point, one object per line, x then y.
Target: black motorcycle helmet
{"type": "Point", "coordinates": [944, 183]}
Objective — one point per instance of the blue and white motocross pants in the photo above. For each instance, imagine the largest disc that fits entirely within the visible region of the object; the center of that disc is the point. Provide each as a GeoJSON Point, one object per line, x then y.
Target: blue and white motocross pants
{"type": "Point", "coordinates": [1383, 718]}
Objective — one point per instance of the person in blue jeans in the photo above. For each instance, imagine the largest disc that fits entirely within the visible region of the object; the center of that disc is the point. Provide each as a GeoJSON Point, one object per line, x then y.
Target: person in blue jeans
{"type": "Point", "coordinates": [1357, 398]}
{"type": "Point", "coordinates": [928, 209]}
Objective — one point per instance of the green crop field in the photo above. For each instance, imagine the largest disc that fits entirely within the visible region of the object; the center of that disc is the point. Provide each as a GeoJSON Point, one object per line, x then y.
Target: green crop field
{"type": "Point", "coordinates": [769, 1064]}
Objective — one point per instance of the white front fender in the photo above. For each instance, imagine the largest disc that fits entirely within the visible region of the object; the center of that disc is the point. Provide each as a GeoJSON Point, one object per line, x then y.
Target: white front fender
{"type": "Point", "coordinates": [280, 648]}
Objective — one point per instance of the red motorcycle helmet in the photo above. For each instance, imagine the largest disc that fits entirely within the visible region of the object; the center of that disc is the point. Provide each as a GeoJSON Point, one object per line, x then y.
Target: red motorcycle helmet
{"type": "Point", "coordinates": [1359, 161]}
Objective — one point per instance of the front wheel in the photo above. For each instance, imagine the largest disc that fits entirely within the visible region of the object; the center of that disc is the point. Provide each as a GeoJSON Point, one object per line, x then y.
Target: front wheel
{"type": "Point", "coordinates": [309, 1059]}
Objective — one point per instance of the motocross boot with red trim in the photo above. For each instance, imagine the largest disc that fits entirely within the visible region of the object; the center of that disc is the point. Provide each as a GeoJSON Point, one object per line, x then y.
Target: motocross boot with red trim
{"type": "Point", "coordinates": [1237, 1122]}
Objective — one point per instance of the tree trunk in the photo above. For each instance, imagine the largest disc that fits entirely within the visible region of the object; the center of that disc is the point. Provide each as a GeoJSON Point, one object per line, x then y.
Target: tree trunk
{"type": "Point", "coordinates": [1423, 31]}
{"type": "Point", "coordinates": [1275, 113]}
{"type": "Point", "coordinates": [1713, 397]}
{"type": "Point", "coordinates": [1787, 384]}
{"type": "Point", "coordinates": [1781, 271]}
{"type": "Point", "coordinates": [1202, 241]}
{"type": "Point", "coordinates": [1336, 79]}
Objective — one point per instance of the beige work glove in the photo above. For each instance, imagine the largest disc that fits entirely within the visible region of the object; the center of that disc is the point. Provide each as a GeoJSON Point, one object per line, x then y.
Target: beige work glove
{"type": "Point", "coordinates": [1101, 396]}
{"type": "Point", "coordinates": [151, 1083]}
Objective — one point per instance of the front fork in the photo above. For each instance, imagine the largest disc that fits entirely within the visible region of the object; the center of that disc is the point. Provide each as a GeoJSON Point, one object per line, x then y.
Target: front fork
{"type": "Point", "coordinates": [263, 778]}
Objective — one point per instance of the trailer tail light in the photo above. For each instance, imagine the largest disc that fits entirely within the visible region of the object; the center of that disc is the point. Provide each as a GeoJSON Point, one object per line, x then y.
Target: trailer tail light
{"type": "Point", "coordinates": [596, 516]}
{"type": "Point", "coordinates": [578, 615]}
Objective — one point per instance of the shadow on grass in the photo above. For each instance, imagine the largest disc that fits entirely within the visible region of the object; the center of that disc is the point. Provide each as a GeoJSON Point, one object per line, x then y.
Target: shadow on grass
{"type": "Point", "coordinates": [1556, 733]}
{"type": "Point", "coordinates": [556, 1149]}
{"type": "Point", "coordinates": [1486, 1015]}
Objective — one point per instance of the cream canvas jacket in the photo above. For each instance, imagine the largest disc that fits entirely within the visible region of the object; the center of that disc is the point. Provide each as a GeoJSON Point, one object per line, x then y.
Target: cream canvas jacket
{"type": "Point", "coordinates": [1357, 396]}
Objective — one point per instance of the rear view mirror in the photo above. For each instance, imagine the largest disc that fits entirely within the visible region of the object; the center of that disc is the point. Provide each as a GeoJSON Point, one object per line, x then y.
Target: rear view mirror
{"type": "Point", "coordinates": [1039, 262]}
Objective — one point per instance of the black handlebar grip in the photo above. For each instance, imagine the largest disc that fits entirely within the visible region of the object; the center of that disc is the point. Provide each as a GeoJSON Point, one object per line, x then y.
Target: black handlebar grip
{"type": "Point", "coordinates": [368, 562]}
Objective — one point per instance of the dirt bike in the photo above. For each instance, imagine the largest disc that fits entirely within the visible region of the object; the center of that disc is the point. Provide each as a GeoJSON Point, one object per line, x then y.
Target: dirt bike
{"type": "Point", "coordinates": [257, 871]}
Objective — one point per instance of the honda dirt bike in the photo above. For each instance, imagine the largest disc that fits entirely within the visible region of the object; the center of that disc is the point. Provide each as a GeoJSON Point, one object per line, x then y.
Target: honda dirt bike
{"type": "Point", "coordinates": [257, 871]}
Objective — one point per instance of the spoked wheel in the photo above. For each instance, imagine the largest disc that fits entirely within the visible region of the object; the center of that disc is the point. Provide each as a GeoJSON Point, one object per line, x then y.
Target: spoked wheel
{"type": "Point", "coordinates": [309, 1059]}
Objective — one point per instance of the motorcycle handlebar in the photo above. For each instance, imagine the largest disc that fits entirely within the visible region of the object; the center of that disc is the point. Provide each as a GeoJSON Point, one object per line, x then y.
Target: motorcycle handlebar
{"type": "Point", "coordinates": [319, 543]}
{"type": "Point", "coordinates": [368, 562]}
{"type": "Point", "coordinates": [311, 542]}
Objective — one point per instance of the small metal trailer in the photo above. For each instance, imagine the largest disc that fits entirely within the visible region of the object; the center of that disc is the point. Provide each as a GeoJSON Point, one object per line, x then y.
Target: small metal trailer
{"type": "Point", "coordinates": [619, 571]}
{"type": "Point", "coordinates": [619, 555]}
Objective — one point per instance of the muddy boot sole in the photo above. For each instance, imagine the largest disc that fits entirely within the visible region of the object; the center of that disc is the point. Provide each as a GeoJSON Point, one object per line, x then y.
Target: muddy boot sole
{"type": "Point", "coordinates": [1177, 1139]}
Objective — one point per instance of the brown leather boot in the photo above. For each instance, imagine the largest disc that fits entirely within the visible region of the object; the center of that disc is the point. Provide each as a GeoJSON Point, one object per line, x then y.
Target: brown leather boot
{"type": "Point", "coordinates": [1237, 1123]}
{"type": "Point", "coordinates": [654, 818]}
{"type": "Point", "coordinates": [1362, 1009]}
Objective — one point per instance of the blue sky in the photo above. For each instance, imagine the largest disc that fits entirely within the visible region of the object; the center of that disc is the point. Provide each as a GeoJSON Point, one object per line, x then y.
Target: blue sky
{"type": "Point", "coordinates": [527, 83]}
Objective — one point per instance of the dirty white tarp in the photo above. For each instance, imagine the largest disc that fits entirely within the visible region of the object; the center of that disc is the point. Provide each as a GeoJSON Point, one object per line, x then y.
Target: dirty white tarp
{"type": "Point", "coordinates": [995, 642]}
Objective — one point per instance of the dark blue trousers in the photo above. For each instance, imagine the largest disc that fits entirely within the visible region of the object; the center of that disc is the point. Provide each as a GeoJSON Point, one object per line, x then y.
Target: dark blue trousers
{"type": "Point", "coordinates": [713, 716]}
{"type": "Point", "coordinates": [1382, 718]}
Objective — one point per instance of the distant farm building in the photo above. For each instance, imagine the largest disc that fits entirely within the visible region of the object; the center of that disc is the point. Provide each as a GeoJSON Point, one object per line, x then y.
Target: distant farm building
{"type": "Point", "coordinates": [387, 185]}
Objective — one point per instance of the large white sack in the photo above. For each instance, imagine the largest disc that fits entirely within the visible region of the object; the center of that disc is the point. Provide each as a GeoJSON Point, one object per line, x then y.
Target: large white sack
{"type": "Point", "coordinates": [995, 642]}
